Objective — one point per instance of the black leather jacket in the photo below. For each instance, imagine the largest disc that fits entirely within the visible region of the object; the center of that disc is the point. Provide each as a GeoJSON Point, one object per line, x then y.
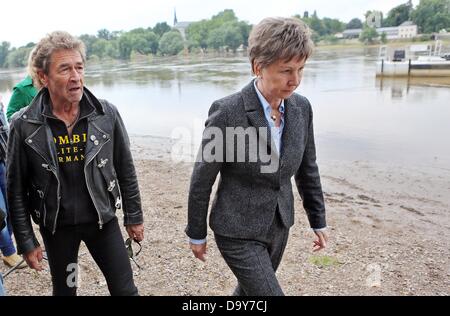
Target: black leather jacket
{"type": "Point", "coordinates": [32, 162]}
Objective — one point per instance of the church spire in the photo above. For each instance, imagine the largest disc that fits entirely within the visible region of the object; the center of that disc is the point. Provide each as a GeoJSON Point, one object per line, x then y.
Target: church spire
{"type": "Point", "coordinates": [175, 20]}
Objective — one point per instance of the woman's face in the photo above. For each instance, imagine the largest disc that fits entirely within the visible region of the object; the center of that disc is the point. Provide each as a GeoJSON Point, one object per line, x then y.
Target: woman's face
{"type": "Point", "coordinates": [280, 79]}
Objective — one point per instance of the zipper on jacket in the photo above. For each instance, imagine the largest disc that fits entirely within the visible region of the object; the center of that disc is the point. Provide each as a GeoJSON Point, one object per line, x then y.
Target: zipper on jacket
{"type": "Point", "coordinates": [100, 221]}
{"type": "Point", "coordinates": [46, 167]}
{"type": "Point", "coordinates": [58, 201]}
{"type": "Point", "coordinates": [53, 170]}
{"type": "Point", "coordinates": [58, 198]}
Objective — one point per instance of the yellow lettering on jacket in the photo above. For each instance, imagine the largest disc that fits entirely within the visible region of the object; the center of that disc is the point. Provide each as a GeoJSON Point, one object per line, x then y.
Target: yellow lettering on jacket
{"type": "Point", "coordinates": [63, 140]}
{"type": "Point", "coordinates": [75, 139]}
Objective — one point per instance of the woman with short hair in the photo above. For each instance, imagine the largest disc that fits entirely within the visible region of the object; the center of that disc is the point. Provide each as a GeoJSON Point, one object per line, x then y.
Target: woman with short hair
{"type": "Point", "coordinates": [254, 205]}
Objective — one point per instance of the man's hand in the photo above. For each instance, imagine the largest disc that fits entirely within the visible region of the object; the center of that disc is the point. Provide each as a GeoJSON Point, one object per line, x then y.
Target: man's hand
{"type": "Point", "coordinates": [199, 251]}
{"type": "Point", "coordinates": [321, 242]}
{"type": "Point", "coordinates": [34, 259]}
{"type": "Point", "coordinates": [136, 231]}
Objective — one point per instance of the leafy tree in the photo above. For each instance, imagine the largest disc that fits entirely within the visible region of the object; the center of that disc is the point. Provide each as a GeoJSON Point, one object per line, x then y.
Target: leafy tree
{"type": "Point", "coordinates": [171, 43]}
{"type": "Point", "coordinates": [112, 49]}
{"type": "Point", "coordinates": [354, 24]}
{"type": "Point", "coordinates": [216, 38]}
{"type": "Point", "coordinates": [4, 49]}
{"type": "Point", "coordinates": [315, 37]}
{"type": "Point", "coordinates": [229, 36]}
{"type": "Point", "coordinates": [153, 42]}
{"type": "Point", "coordinates": [197, 33]}
{"type": "Point", "coordinates": [145, 43]}
{"type": "Point", "coordinates": [398, 15]}
{"type": "Point", "coordinates": [104, 34]}
{"type": "Point", "coordinates": [383, 38]}
{"type": "Point", "coordinates": [322, 27]}
{"type": "Point", "coordinates": [125, 46]}
{"type": "Point", "coordinates": [222, 30]}
{"type": "Point", "coordinates": [138, 40]}
{"type": "Point", "coordinates": [88, 41]}
{"type": "Point", "coordinates": [317, 25]}
{"type": "Point", "coordinates": [223, 17]}
{"type": "Point", "coordinates": [245, 30]}
{"type": "Point", "coordinates": [332, 26]}
{"type": "Point", "coordinates": [139, 30]}
{"type": "Point", "coordinates": [432, 15]}
{"type": "Point", "coordinates": [160, 28]}
{"type": "Point", "coordinates": [233, 36]}
{"type": "Point", "coordinates": [99, 47]}
{"type": "Point", "coordinates": [368, 35]}
{"type": "Point", "coordinates": [18, 57]}
{"type": "Point", "coordinates": [116, 34]}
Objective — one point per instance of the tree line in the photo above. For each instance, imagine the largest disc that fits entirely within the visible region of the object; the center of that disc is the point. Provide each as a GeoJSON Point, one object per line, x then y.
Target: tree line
{"type": "Point", "coordinates": [430, 16]}
{"type": "Point", "coordinates": [225, 32]}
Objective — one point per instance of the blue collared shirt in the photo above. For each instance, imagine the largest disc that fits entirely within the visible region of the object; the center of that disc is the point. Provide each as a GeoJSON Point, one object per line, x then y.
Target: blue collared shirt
{"type": "Point", "coordinates": [276, 132]}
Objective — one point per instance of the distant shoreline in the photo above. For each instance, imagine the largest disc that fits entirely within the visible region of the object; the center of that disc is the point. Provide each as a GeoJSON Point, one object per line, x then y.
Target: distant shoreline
{"type": "Point", "coordinates": [319, 47]}
{"type": "Point", "coordinates": [445, 43]}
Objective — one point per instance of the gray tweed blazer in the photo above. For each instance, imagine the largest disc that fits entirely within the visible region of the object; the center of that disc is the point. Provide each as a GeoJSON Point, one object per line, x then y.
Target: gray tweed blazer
{"type": "Point", "coordinates": [247, 199]}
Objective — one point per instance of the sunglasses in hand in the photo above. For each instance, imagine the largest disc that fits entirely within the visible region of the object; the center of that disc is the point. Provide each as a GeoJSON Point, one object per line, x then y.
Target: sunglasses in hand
{"type": "Point", "coordinates": [130, 251]}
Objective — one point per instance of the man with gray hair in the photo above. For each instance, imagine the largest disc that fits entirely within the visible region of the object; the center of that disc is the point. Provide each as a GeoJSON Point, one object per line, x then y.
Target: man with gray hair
{"type": "Point", "coordinates": [70, 168]}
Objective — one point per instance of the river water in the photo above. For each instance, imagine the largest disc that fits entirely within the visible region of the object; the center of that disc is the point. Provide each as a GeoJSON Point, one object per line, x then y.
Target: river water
{"type": "Point", "coordinates": [356, 115]}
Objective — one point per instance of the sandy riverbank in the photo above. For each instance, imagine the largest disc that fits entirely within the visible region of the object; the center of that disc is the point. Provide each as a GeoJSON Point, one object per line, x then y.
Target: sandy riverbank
{"type": "Point", "coordinates": [389, 229]}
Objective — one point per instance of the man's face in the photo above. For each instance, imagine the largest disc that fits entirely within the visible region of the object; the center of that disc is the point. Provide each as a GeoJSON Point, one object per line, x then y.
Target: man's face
{"type": "Point", "coordinates": [281, 78]}
{"type": "Point", "coordinates": [65, 77]}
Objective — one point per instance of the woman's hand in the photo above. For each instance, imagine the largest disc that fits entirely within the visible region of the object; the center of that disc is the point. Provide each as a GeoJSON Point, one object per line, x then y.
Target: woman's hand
{"type": "Point", "coordinates": [199, 251]}
{"type": "Point", "coordinates": [321, 242]}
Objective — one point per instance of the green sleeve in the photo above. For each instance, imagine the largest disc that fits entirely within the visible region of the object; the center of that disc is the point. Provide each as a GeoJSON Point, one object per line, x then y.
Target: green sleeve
{"type": "Point", "coordinates": [19, 99]}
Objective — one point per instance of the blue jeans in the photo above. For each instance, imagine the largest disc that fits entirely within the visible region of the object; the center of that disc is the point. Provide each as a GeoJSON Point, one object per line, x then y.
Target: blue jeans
{"type": "Point", "coordinates": [6, 244]}
{"type": "Point", "coordinates": [2, 289]}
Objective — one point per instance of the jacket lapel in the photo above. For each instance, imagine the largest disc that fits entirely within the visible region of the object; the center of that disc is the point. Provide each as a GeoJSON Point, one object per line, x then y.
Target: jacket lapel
{"type": "Point", "coordinates": [40, 142]}
{"type": "Point", "coordinates": [256, 117]}
{"type": "Point", "coordinates": [292, 119]}
{"type": "Point", "coordinates": [96, 139]}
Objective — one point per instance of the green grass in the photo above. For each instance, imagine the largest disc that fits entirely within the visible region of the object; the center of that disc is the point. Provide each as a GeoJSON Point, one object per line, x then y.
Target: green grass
{"type": "Point", "coordinates": [324, 261]}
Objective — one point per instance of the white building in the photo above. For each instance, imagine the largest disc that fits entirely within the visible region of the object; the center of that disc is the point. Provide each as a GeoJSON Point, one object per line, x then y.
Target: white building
{"type": "Point", "coordinates": [391, 31]}
{"type": "Point", "coordinates": [351, 33]}
{"type": "Point", "coordinates": [405, 30]}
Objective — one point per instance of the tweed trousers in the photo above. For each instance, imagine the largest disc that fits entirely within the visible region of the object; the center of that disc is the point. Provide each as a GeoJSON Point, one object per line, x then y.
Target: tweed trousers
{"type": "Point", "coordinates": [254, 262]}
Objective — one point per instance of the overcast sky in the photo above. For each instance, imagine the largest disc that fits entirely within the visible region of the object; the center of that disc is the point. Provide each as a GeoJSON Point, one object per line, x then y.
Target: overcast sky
{"type": "Point", "coordinates": [23, 21]}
